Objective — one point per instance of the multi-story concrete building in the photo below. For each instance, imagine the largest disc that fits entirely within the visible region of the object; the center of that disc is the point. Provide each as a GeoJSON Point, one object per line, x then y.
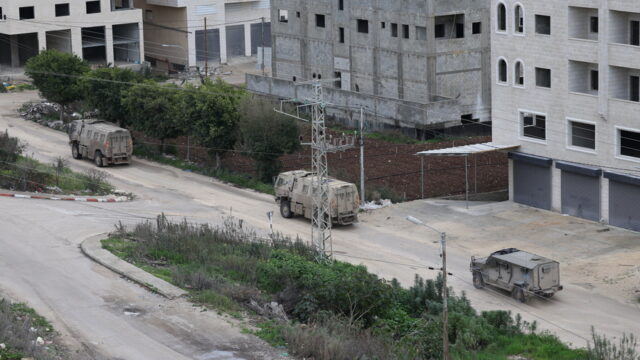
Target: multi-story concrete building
{"type": "Point", "coordinates": [99, 31]}
{"type": "Point", "coordinates": [416, 63]}
{"type": "Point", "coordinates": [175, 36]}
{"type": "Point", "coordinates": [566, 87]}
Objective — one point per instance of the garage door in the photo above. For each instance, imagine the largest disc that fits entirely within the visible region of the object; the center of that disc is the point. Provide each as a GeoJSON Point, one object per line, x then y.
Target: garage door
{"type": "Point", "coordinates": [580, 190]}
{"type": "Point", "coordinates": [260, 33]}
{"type": "Point", "coordinates": [235, 40]}
{"type": "Point", "coordinates": [531, 180]}
{"type": "Point", "coordinates": [624, 200]}
{"type": "Point", "coordinates": [212, 51]}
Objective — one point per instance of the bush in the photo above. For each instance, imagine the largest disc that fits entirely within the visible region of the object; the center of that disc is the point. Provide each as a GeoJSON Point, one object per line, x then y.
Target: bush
{"type": "Point", "coordinates": [10, 149]}
{"type": "Point", "coordinates": [95, 181]}
{"type": "Point", "coordinates": [604, 349]}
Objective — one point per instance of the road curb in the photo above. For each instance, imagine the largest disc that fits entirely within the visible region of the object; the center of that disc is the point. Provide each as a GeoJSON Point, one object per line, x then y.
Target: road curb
{"type": "Point", "coordinates": [66, 198]}
{"type": "Point", "coordinates": [92, 248]}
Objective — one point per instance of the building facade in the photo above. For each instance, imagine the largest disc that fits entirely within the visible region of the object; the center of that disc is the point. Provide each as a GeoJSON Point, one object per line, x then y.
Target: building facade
{"type": "Point", "coordinates": [176, 36]}
{"type": "Point", "coordinates": [566, 88]}
{"type": "Point", "coordinates": [414, 52]}
{"type": "Point", "coordinates": [99, 31]}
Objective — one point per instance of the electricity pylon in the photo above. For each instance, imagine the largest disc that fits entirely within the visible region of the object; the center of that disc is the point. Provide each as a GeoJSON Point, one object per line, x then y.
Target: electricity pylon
{"type": "Point", "coordinates": [321, 144]}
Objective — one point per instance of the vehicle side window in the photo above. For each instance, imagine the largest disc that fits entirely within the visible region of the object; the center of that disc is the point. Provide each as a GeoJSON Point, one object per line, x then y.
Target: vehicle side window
{"type": "Point", "coordinates": [89, 134]}
{"type": "Point", "coordinates": [305, 189]}
{"type": "Point", "coordinates": [95, 136]}
{"type": "Point", "coordinates": [102, 137]}
{"type": "Point", "coordinates": [280, 182]}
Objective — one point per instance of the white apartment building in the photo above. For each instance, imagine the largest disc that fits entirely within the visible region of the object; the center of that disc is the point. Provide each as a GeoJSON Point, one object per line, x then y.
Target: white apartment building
{"type": "Point", "coordinates": [175, 35]}
{"type": "Point", "coordinates": [566, 88]}
{"type": "Point", "coordinates": [99, 31]}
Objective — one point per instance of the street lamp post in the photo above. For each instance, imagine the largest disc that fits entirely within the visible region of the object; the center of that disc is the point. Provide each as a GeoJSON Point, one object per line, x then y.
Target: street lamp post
{"type": "Point", "coordinates": [445, 296]}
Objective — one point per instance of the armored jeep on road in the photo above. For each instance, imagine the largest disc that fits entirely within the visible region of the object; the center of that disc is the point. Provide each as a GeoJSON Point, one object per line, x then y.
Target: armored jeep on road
{"type": "Point", "coordinates": [519, 272]}
{"type": "Point", "coordinates": [101, 141]}
{"type": "Point", "coordinates": [294, 195]}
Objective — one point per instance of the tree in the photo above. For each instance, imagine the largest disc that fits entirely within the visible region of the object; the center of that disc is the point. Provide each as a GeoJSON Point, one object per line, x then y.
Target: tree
{"type": "Point", "coordinates": [57, 76]}
{"type": "Point", "coordinates": [211, 114]}
{"type": "Point", "coordinates": [151, 109]}
{"type": "Point", "coordinates": [105, 94]}
{"type": "Point", "coordinates": [267, 135]}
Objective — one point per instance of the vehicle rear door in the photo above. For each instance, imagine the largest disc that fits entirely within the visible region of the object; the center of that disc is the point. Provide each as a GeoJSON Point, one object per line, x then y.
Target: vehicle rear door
{"type": "Point", "coordinates": [548, 275]}
{"type": "Point", "coordinates": [118, 143]}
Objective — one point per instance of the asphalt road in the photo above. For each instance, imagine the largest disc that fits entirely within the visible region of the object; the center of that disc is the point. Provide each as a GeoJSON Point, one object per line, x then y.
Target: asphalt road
{"type": "Point", "coordinates": [40, 262]}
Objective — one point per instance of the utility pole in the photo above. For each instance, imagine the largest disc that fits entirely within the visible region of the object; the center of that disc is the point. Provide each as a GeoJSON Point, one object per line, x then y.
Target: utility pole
{"type": "Point", "coordinates": [362, 188]}
{"type": "Point", "coordinates": [206, 50]}
{"type": "Point", "coordinates": [262, 45]}
{"type": "Point", "coordinates": [445, 299]}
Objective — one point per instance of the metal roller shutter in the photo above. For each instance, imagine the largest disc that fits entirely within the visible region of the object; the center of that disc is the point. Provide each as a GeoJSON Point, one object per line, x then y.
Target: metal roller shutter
{"type": "Point", "coordinates": [580, 190]}
{"type": "Point", "coordinates": [531, 180]}
{"type": "Point", "coordinates": [624, 200]}
{"type": "Point", "coordinates": [213, 45]}
{"type": "Point", "coordinates": [235, 40]}
{"type": "Point", "coordinates": [258, 34]}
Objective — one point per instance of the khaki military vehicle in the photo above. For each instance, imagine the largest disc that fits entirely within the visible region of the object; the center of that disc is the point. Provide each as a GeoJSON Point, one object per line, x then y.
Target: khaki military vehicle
{"type": "Point", "coordinates": [294, 195]}
{"type": "Point", "coordinates": [103, 142]}
{"type": "Point", "coordinates": [519, 272]}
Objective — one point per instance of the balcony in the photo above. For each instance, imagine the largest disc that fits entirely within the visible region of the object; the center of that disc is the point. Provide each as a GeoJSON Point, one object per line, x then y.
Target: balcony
{"type": "Point", "coordinates": [583, 78]}
{"type": "Point", "coordinates": [583, 23]}
{"type": "Point", "coordinates": [624, 84]}
{"type": "Point", "coordinates": [169, 3]}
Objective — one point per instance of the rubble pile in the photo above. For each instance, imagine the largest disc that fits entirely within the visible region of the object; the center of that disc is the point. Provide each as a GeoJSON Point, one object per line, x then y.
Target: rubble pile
{"type": "Point", "coordinates": [48, 114]}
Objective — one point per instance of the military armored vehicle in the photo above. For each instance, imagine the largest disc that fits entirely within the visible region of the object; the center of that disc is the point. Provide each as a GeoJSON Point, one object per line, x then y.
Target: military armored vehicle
{"type": "Point", "coordinates": [521, 273]}
{"type": "Point", "coordinates": [101, 141]}
{"type": "Point", "coordinates": [294, 193]}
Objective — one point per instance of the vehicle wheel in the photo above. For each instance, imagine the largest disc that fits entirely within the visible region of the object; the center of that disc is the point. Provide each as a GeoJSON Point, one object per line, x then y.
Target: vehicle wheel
{"type": "Point", "coordinates": [478, 282]}
{"type": "Point", "coordinates": [98, 159]}
{"type": "Point", "coordinates": [518, 294]}
{"type": "Point", "coordinates": [285, 209]}
{"type": "Point", "coordinates": [75, 152]}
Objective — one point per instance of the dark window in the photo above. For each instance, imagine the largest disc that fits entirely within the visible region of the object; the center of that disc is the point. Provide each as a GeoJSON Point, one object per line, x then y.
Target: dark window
{"type": "Point", "coordinates": [405, 31]}
{"type": "Point", "coordinates": [543, 24]}
{"type": "Point", "coordinates": [62, 9]}
{"type": "Point", "coordinates": [459, 30]}
{"type": "Point", "coordinates": [338, 75]}
{"type": "Point", "coordinates": [519, 19]}
{"type": "Point", "coordinates": [341, 34]}
{"type": "Point", "coordinates": [340, 4]}
{"type": "Point", "coordinates": [534, 126]}
{"type": "Point", "coordinates": [394, 30]}
{"type": "Point", "coordinates": [594, 24]}
{"type": "Point", "coordinates": [635, 33]}
{"type": "Point", "coordinates": [357, 88]}
{"type": "Point", "coordinates": [298, 14]}
{"type": "Point", "coordinates": [634, 88]}
{"type": "Point", "coordinates": [502, 17]}
{"type": "Point", "coordinates": [283, 15]}
{"type": "Point", "coordinates": [320, 20]}
{"type": "Point", "coordinates": [519, 78]}
{"type": "Point", "coordinates": [583, 135]}
{"type": "Point", "coordinates": [630, 143]}
{"type": "Point", "coordinates": [594, 80]}
{"type": "Point", "coordinates": [27, 12]}
{"type": "Point", "coordinates": [383, 25]}
{"type": "Point", "coordinates": [93, 7]}
{"type": "Point", "coordinates": [543, 77]}
{"type": "Point", "coordinates": [440, 30]}
{"type": "Point", "coordinates": [476, 28]}
{"type": "Point", "coordinates": [363, 26]}
{"type": "Point", "coordinates": [502, 71]}
{"type": "Point", "coordinates": [294, 78]}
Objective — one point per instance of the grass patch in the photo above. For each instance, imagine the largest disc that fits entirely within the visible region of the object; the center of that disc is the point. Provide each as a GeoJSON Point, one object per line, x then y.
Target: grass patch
{"type": "Point", "coordinates": [272, 333]}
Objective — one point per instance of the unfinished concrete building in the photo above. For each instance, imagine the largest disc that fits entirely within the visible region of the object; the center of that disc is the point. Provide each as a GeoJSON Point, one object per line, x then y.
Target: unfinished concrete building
{"type": "Point", "coordinates": [414, 64]}
{"type": "Point", "coordinates": [176, 39]}
{"type": "Point", "coordinates": [99, 31]}
{"type": "Point", "coordinates": [566, 78]}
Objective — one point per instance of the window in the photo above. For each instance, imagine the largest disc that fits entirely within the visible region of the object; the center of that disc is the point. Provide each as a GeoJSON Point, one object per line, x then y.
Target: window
{"type": "Point", "coordinates": [629, 143]}
{"type": "Point", "coordinates": [634, 27]}
{"type": "Point", "coordinates": [341, 34]}
{"type": "Point", "coordinates": [27, 12]}
{"type": "Point", "coordinates": [534, 125]}
{"type": "Point", "coordinates": [383, 25]}
{"type": "Point", "coordinates": [595, 84]}
{"type": "Point", "coordinates": [148, 14]}
{"type": "Point", "coordinates": [1, 15]}
{"type": "Point", "coordinates": [340, 4]}
{"type": "Point", "coordinates": [62, 9]}
{"type": "Point", "coordinates": [320, 20]}
{"type": "Point", "coordinates": [543, 24]}
{"type": "Point", "coordinates": [634, 88]}
{"type": "Point", "coordinates": [543, 77]}
{"type": "Point", "coordinates": [93, 7]}
{"type": "Point", "coordinates": [502, 71]}
{"type": "Point", "coordinates": [283, 15]}
{"type": "Point", "coordinates": [519, 19]}
{"type": "Point", "coordinates": [582, 135]}
{"type": "Point", "coordinates": [357, 88]}
{"type": "Point", "coordinates": [502, 17]}
{"type": "Point", "coordinates": [439, 31]}
{"type": "Point", "coordinates": [421, 33]}
{"type": "Point", "coordinates": [519, 74]}
{"type": "Point", "coordinates": [298, 14]}
{"type": "Point", "coordinates": [405, 31]}
{"type": "Point", "coordinates": [594, 24]}
{"type": "Point", "coordinates": [459, 30]}
{"type": "Point", "coordinates": [338, 75]}
{"type": "Point", "coordinates": [476, 28]}
{"type": "Point", "coordinates": [394, 30]}
{"type": "Point", "coordinates": [363, 26]}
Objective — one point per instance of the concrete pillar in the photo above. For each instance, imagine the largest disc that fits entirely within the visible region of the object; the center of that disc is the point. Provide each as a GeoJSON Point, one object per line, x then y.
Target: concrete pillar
{"type": "Point", "coordinates": [15, 51]}
{"type": "Point", "coordinates": [556, 189]}
{"type": "Point", "coordinates": [141, 40]}
{"type": "Point", "coordinates": [191, 48]}
{"type": "Point", "coordinates": [223, 45]}
{"type": "Point", "coordinates": [76, 41]}
{"type": "Point", "coordinates": [247, 39]}
{"type": "Point", "coordinates": [510, 180]}
{"type": "Point", "coordinates": [42, 40]}
{"type": "Point", "coordinates": [604, 200]}
{"type": "Point", "coordinates": [108, 38]}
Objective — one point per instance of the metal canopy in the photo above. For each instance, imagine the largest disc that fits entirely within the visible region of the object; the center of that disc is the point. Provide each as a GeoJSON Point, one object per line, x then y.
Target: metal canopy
{"type": "Point", "coordinates": [466, 150]}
